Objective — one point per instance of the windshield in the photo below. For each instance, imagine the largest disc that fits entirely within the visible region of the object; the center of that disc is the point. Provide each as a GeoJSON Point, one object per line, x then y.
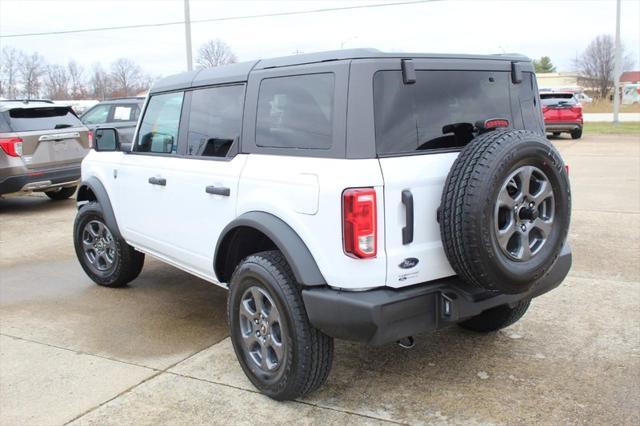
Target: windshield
{"type": "Point", "coordinates": [47, 118]}
{"type": "Point", "coordinates": [438, 111]}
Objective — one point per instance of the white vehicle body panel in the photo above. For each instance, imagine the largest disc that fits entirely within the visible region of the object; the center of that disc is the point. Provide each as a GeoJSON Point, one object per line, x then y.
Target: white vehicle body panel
{"type": "Point", "coordinates": [306, 193]}
{"type": "Point", "coordinates": [424, 176]}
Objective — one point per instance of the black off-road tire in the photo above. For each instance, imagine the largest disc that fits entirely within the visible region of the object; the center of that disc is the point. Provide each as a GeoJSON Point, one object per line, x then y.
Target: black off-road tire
{"type": "Point", "coordinates": [496, 318]}
{"type": "Point", "coordinates": [468, 209]}
{"type": "Point", "coordinates": [308, 353]}
{"type": "Point", "coordinates": [62, 193]}
{"type": "Point", "coordinates": [556, 134]}
{"type": "Point", "coordinates": [576, 134]}
{"type": "Point", "coordinates": [127, 262]}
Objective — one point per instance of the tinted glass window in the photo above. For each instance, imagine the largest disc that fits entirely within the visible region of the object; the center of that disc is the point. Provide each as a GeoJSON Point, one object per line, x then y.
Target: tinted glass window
{"type": "Point", "coordinates": [557, 99]}
{"type": "Point", "coordinates": [47, 118]}
{"type": "Point", "coordinates": [97, 115]}
{"type": "Point", "coordinates": [159, 127]}
{"type": "Point", "coordinates": [127, 112]}
{"type": "Point", "coordinates": [296, 112]}
{"type": "Point", "coordinates": [439, 111]}
{"type": "Point", "coordinates": [215, 120]}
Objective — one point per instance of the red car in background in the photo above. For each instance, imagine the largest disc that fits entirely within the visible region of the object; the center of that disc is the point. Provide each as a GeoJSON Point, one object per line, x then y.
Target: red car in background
{"type": "Point", "coordinates": [562, 113]}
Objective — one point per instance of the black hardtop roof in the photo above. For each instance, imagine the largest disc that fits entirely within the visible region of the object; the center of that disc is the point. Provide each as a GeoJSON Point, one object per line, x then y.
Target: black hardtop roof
{"type": "Point", "coordinates": [240, 72]}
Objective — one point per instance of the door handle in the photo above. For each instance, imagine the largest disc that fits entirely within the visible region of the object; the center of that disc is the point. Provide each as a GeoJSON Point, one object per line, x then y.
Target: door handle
{"type": "Point", "coordinates": [218, 190]}
{"type": "Point", "coordinates": [158, 181]}
{"type": "Point", "coordinates": [407, 231]}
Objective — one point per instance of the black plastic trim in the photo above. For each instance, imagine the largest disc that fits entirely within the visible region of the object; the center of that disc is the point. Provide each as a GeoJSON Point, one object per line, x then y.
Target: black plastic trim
{"type": "Point", "coordinates": [59, 176]}
{"type": "Point", "coordinates": [407, 230]}
{"type": "Point", "coordinates": [298, 256]}
{"type": "Point", "coordinates": [97, 188]}
{"type": "Point", "coordinates": [385, 315]}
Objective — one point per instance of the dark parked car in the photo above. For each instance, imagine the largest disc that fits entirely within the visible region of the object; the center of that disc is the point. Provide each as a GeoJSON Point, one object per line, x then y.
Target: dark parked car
{"type": "Point", "coordinates": [121, 114]}
{"type": "Point", "coordinates": [562, 114]}
{"type": "Point", "coordinates": [42, 145]}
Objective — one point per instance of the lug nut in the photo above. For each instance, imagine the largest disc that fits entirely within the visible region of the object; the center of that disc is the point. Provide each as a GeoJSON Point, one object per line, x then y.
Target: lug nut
{"type": "Point", "coordinates": [523, 227]}
{"type": "Point", "coordinates": [531, 204]}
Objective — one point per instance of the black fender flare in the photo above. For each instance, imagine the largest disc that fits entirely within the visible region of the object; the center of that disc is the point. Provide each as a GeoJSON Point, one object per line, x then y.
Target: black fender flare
{"type": "Point", "coordinates": [295, 251]}
{"type": "Point", "coordinates": [94, 185]}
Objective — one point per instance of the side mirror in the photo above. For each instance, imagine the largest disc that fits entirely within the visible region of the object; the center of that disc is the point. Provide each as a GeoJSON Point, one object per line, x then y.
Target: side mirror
{"type": "Point", "coordinates": [107, 139]}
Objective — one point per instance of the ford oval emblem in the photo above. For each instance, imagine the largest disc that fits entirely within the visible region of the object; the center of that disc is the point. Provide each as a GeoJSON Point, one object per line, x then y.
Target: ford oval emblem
{"type": "Point", "coordinates": [409, 263]}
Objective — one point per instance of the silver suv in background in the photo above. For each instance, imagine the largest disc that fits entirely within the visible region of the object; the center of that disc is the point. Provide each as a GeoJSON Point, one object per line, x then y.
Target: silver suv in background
{"type": "Point", "coordinates": [121, 114]}
{"type": "Point", "coordinates": [41, 147]}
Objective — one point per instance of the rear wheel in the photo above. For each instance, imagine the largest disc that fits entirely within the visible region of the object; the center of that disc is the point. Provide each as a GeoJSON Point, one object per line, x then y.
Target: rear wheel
{"type": "Point", "coordinates": [556, 134]}
{"type": "Point", "coordinates": [107, 259]}
{"type": "Point", "coordinates": [61, 193]}
{"type": "Point", "coordinates": [280, 352]}
{"type": "Point", "coordinates": [496, 318]}
{"type": "Point", "coordinates": [576, 134]}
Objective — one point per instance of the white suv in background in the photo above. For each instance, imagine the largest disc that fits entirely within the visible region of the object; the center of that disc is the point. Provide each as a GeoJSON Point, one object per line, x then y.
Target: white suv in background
{"type": "Point", "coordinates": [353, 194]}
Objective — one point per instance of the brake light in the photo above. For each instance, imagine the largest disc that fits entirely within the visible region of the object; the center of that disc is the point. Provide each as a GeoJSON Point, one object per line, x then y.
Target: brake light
{"type": "Point", "coordinates": [359, 222]}
{"type": "Point", "coordinates": [90, 138]}
{"type": "Point", "coordinates": [12, 146]}
{"type": "Point", "coordinates": [566, 167]}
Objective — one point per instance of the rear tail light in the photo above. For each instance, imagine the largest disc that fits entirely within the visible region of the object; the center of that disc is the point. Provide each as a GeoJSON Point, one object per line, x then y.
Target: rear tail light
{"type": "Point", "coordinates": [566, 167]}
{"type": "Point", "coordinates": [90, 138]}
{"type": "Point", "coordinates": [359, 222]}
{"type": "Point", "coordinates": [11, 146]}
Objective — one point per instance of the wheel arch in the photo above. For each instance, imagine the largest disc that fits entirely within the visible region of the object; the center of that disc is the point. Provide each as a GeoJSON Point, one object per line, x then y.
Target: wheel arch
{"type": "Point", "coordinates": [92, 190]}
{"type": "Point", "coordinates": [257, 231]}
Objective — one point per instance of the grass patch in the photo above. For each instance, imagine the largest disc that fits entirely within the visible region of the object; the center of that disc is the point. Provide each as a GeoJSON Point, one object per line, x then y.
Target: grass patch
{"type": "Point", "coordinates": [626, 127]}
{"type": "Point", "coordinates": [599, 105]}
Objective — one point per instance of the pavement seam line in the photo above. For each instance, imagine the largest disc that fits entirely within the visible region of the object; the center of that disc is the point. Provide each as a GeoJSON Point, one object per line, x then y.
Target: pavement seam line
{"type": "Point", "coordinates": [78, 352]}
{"type": "Point", "coordinates": [129, 389]}
{"type": "Point", "coordinates": [604, 211]}
{"type": "Point", "coordinates": [322, 407]}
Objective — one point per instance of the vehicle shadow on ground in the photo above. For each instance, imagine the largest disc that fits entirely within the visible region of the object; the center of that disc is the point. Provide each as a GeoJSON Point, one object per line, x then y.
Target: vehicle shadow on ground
{"type": "Point", "coordinates": [32, 203]}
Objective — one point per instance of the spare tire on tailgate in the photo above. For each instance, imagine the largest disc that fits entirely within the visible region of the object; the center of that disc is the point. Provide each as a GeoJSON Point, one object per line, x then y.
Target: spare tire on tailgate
{"type": "Point", "coordinates": [505, 210]}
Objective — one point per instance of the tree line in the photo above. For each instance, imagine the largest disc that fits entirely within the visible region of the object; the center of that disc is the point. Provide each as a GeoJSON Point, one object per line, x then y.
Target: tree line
{"type": "Point", "coordinates": [29, 76]}
{"type": "Point", "coordinates": [594, 66]}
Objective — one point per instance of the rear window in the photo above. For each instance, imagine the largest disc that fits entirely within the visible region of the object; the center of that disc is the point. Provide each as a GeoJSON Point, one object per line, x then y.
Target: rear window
{"type": "Point", "coordinates": [557, 99]}
{"type": "Point", "coordinates": [438, 111]}
{"type": "Point", "coordinates": [48, 118]}
{"type": "Point", "coordinates": [296, 112]}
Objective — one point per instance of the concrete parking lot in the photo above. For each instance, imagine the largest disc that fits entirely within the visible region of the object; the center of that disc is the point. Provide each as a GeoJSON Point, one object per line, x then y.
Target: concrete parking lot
{"type": "Point", "coordinates": [158, 352]}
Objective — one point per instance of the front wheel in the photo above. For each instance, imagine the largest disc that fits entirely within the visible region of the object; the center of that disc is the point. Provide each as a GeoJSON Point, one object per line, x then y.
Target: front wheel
{"type": "Point", "coordinates": [107, 259]}
{"type": "Point", "coordinates": [61, 193]}
{"type": "Point", "coordinates": [282, 354]}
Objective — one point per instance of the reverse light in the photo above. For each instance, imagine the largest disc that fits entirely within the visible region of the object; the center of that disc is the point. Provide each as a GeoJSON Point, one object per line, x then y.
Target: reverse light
{"type": "Point", "coordinates": [11, 146]}
{"type": "Point", "coordinates": [359, 222]}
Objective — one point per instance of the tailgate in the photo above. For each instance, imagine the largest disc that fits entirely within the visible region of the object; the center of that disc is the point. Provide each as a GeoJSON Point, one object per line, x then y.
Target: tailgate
{"type": "Point", "coordinates": [414, 183]}
{"type": "Point", "coordinates": [51, 136]}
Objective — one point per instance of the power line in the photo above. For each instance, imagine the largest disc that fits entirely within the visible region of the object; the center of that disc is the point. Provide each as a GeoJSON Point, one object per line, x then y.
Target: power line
{"type": "Point", "coordinates": [228, 18]}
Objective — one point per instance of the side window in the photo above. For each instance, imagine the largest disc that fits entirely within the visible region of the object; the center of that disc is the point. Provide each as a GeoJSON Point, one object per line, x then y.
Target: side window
{"type": "Point", "coordinates": [296, 112]}
{"type": "Point", "coordinates": [215, 120]}
{"type": "Point", "coordinates": [124, 112]}
{"type": "Point", "coordinates": [97, 115]}
{"type": "Point", "coordinates": [159, 128]}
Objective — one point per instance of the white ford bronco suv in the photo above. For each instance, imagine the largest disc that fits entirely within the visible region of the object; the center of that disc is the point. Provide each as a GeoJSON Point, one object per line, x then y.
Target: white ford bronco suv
{"type": "Point", "coordinates": [353, 194]}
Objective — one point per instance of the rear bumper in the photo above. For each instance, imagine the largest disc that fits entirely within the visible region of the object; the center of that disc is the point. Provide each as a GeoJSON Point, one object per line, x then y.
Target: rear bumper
{"type": "Point", "coordinates": [562, 127]}
{"type": "Point", "coordinates": [41, 180]}
{"type": "Point", "coordinates": [385, 315]}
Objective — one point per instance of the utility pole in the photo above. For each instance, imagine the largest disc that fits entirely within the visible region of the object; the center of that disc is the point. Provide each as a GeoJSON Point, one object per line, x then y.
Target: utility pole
{"type": "Point", "coordinates": [187, 33]}
{"type": "Point", "coordinates": [616, 68]}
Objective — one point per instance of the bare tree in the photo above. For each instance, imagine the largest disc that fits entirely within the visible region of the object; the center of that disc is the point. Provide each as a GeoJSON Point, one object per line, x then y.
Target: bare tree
{"type": "Point", "coordinates": [56, 82]}
{"type": "Point", "coordinates": [595, 65]}
{"type": "Point", "coordinates": [77, 90]}
{"type": "Point", "coordinates": [126, 77]}
{"type": "Point", "coordinates": [215, 53]}
{"type": "Point", "coordinates": [100, 82]}
{"type": "Point", "coordinates": [31, 68]}
{"type": "Point", "coordinates": [9, 71]}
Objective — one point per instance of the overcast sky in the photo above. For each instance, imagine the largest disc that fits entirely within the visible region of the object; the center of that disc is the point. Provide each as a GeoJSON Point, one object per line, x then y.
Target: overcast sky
{"type": "Point", "coordinates": [559, 29]}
